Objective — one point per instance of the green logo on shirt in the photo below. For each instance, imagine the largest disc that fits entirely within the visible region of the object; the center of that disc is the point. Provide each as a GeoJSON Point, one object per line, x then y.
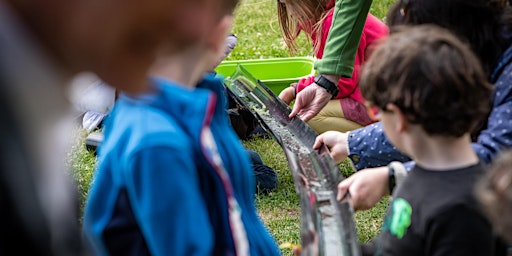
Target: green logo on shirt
{"type": "Point", "coordinates": [400, 218]}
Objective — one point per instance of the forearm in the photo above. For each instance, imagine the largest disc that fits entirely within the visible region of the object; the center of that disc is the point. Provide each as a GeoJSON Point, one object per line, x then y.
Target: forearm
{"type": "Point", "coordinates": [304, 82]}
{"type": "Point", "coordinates": [368, 147]}
{"type": "Point", "coordinates": [348, 22]}
{"type": "Point", "coordinates": [498, 133]}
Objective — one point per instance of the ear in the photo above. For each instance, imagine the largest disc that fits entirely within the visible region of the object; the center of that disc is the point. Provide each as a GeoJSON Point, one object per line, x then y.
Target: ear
{"type": "Point", "coordinates": [400, 122]}
{"type": "Point", "coordinates": [217, 36]}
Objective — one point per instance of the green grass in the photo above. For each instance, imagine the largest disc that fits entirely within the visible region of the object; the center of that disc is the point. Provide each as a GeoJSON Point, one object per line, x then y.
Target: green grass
{"type": "Point", "coordinates": [259, 37]}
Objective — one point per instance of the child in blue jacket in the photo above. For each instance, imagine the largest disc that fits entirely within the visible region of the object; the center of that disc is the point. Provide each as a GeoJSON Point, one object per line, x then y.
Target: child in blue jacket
{"type": "Point", "coordinates": [173, 178]}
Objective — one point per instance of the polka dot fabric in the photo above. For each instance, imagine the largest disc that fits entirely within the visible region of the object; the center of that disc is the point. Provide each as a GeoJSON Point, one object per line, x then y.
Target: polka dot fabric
{"type": "Point", "coordinates": [369, 147]}
{"type": "Point", "coordinates": [498, 134]}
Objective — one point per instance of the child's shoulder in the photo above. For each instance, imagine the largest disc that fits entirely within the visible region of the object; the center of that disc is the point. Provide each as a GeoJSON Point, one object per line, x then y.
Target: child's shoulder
{"type": "Point", "coordinates": [422, 183]}
{"type": "Point", "coordinates": [145, 126]}
{"type": "Point", "coordinates": [143, 116]}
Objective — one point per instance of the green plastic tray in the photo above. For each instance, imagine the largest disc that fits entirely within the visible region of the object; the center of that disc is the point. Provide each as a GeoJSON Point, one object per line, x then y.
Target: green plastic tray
{"type": "Point", "coordinates": [276, 73]}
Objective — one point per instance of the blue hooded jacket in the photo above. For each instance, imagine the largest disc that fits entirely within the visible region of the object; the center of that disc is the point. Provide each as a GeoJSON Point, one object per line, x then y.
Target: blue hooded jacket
{"type": "Point", "coordinates": [158, 188]}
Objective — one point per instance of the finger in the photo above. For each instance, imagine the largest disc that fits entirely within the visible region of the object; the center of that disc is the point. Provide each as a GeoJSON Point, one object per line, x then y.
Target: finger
{"type": "Point", "coordinates": [355, 201]}
{"type": "Point", "coordinates": [295, 110]}
{"type": "Point", "coordinates": [343, 187]}
{"type": "Point", "coordinates": [306, 116]}
{"type": "Point", "coordinates": [336, 157]}
{"type": "Point", "coordinates": [319, 141]}
{"type": "Point", "coordinates": [341, 195]}
{"type": "Point", "coordinates": [351, 202]}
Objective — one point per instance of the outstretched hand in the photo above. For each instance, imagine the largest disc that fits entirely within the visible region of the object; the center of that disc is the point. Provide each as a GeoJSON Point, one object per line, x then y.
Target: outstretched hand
{"type": "Point", "coordinates": [309, 102]}
{"type": "Point", "coordinates": [365, 187]}
{"type": "Point", "coordinates": [336, 142]}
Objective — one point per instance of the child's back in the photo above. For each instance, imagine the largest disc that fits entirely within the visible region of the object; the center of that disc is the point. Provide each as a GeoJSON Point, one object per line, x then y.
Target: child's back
{"type": "Point", "coordinates": [434, 213]}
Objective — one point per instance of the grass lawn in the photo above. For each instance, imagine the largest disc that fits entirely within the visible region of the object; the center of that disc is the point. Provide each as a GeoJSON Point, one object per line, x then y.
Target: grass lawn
{"type": "Point", "coordinates": [259, 37]}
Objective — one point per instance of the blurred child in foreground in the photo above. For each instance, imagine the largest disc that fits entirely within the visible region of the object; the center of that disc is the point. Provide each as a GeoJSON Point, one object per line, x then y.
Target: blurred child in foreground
{"type": "Point", "coordinates": [173, 178]}
{"type": "Point", "coordinates": [43, 44]}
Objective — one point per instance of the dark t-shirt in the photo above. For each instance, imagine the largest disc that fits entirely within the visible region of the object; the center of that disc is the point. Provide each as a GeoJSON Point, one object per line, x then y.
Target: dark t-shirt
{"type": "Point", "coordinates": [435, 213]}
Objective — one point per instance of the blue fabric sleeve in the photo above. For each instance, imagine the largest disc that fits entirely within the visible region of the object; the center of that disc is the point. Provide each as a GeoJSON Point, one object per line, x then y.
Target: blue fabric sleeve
{"type": "Point", "coordinates": [165, 193]}
{"type": "Point", "coordinates": [498, 133]}
{"type": "Point", "coordinates": [369, 147]}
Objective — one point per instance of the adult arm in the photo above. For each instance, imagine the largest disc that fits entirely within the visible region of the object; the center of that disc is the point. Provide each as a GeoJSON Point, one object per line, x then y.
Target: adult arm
{"type": "Point", "coordinates": [498, 133]}
{"type": "Point", "coordinates": [369, 147]}
{"type": "Point", "coordinates": [339, 54]}
{"type": "Point", "coordinates": [348, 22]}
{"type": "Point", "coordinates": [164, 187]}
{"type": "Point", "coordinates": [346, 86]}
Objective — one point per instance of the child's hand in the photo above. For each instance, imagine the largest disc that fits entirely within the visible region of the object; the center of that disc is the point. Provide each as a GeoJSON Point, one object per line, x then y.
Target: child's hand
{"type": "Point", "coordinates": [336, 142]}
{"type": "Point", "coordinates": [288, 94]}
{"type": "Point", "coordinates": [365, 187]}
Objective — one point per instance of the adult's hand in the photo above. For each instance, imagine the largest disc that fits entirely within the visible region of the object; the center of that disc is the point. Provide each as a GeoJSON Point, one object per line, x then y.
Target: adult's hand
{"type": "Point", "coordinates": [365, 187]}
{"type": "Point", "coordinates": [336, 142]}
{"type": "Point", "coordinates": [309, 102]}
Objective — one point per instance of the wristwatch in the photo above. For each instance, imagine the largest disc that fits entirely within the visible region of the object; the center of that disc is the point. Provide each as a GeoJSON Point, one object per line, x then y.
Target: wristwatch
{"type": "Point", "coordinates": [397, 174]}
{"type": "Point", "coordinates": [329, 86]}
{"type": "Point", "coordinates": [391, 179]}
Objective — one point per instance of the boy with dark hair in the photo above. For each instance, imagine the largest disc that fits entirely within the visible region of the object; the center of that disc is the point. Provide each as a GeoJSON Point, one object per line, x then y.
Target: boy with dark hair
{"type": "Point", "coordinates": [431, 93]}
{"type": "Point", "coordinates": [173, 178]}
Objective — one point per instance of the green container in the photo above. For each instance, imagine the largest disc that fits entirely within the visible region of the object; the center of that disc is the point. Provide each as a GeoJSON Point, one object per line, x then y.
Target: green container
{"type": "Point", "coordinates": [276, 73]}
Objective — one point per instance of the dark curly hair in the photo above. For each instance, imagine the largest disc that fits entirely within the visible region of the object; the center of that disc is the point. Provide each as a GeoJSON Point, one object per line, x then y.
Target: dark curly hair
{"type": "Point", "coordinates": [435, 80]}
{"type": "Point", "coordinates": [484, 24]}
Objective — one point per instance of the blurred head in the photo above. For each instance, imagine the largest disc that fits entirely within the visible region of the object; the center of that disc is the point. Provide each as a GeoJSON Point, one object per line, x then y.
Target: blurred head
{"type": "Point", "coordinates": [484, 24]}
{"type": "Point", "coordinates": [116, 39]}
{"type": "Point", "coordinates": [294, 15]}
{"type": "Point", "coordinates": [431, 77]}
{"type": "Point", "coordinates": [494, 192]}
{"type": "Point", "coordinates": [206, 50]}
{"type": "Point", "coordinates": [218, 41]}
